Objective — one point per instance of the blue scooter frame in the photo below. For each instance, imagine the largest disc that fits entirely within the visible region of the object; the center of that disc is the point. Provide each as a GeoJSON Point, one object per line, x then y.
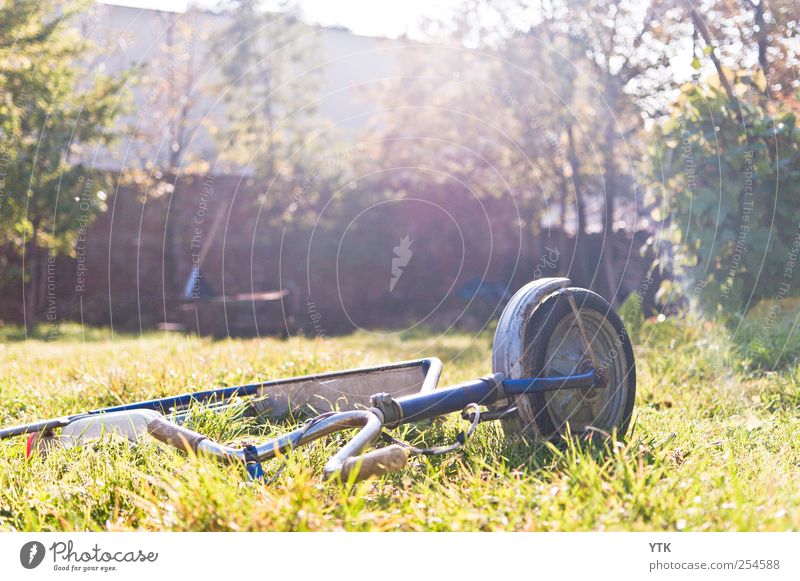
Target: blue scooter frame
{"type": "Point", "coordinates": [545, 329]}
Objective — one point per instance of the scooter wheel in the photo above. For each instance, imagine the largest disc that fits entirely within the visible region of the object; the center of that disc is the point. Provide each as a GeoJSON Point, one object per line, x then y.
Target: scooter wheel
{"type": "Point", "coordinates": [554, 346]}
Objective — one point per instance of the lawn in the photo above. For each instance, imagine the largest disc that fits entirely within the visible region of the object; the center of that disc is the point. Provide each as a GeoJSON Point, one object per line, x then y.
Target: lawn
{"type": "Point", "coordinates": [714, 444]}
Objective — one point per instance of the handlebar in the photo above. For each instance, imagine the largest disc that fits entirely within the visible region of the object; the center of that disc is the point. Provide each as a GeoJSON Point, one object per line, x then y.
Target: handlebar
{"type": "Point", "coordinates": [174, 435]}
{"type": "Point", "coordinates": [188, 441]}
{"type": "Point", "coordinates": [345, 464]}
{"type": "Point", "coordinates": [346, 461]}
{"type": "Point", "coordinates": [376, 463]}
{"type": "Point", "coordinates": [348, 464]}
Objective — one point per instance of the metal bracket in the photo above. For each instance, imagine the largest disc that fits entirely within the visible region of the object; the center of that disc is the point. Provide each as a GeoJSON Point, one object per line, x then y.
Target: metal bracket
{"type": "Point", "coordinates": [252, 463]}
{"type": "Point", "coordinates": [581, 328]}
{"type": "Point", "coordinates": [600, 372]}
{"type": "Point", "coordinates": [385, 403]}
{"type": "Point", "coordinates": [490, 415]}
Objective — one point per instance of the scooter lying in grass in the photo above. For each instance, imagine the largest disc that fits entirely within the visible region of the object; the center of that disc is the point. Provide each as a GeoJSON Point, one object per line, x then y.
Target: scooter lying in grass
{"type": "Point", "coordinates": [561, 360]}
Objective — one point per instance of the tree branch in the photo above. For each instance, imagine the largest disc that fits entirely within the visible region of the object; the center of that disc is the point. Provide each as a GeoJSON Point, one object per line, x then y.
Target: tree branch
{"type": "Point", "coordinates": [702, 28]}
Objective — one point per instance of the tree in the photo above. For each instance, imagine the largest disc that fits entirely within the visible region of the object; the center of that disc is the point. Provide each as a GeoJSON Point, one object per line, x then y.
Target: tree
{"type": "Point", "coordinates": [734, 211]}
{"type": "Point", "coordinates": [168, 121]}
{"type": "Point", "coordinates": [270, 76]}
{"type": "Point", "coordinates": [554, 136]}
{"type": "Point", "coordinates": [727, 160]}
{"type": "Point", "coordinates": [759, 36]}
{"type": "Point", "coordinates": [569, 84]}
{"type": "Point", "coordinates": [51, 114]}
{"type": "Point", "coordinates": [627, 49]}
{"type": "Point", "coordinates": [168, 124]}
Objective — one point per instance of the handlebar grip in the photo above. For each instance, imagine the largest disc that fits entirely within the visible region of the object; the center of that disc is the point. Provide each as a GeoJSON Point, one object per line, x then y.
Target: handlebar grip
{"type": "Point", "coordinates": [376, 463]}
{"type": "Point", "coordinates": [175, 435]}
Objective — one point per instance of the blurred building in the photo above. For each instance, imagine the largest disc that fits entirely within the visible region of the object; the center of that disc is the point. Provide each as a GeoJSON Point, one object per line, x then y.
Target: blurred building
{"type": "Point", "coordinates": [466, 253]}
{"type": "Point", "coordinates": [170, 47]}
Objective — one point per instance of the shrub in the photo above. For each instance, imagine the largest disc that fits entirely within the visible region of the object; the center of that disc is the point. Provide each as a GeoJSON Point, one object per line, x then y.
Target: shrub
{"type": "Point", "coordinates": [729, 174]}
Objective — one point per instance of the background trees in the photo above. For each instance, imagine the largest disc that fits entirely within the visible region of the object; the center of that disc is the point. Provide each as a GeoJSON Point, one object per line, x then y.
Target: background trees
{"type": "Point", "coordinates": [733, 195]}
{"type": "Point", "coordinates": [543, 101]}
{"type": "Point", "coordinates": [572, 101]}
{"type": "Point", "coordinates": [270, 73]}
{"type": "Point", "coordinates": [580, 116]}
{"type": "Point", "coordinates": [726, 160]}
{"type": "Point", "coordinates": [51, 115]}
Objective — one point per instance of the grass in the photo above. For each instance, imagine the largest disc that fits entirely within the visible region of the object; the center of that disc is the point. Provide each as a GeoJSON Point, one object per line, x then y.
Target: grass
{"type": "Point", "coordinates": [714, 445]}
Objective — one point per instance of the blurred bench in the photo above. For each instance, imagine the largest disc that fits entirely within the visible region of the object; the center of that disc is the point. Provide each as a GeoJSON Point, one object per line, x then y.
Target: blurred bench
{"type": "Point", "coordinates": [242, 315]}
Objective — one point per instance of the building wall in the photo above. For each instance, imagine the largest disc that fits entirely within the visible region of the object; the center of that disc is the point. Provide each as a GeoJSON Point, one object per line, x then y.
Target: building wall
{"type": "Point", "coordinates": [138, 39]}
{"type": "Point", "coordinates": [465, 254]}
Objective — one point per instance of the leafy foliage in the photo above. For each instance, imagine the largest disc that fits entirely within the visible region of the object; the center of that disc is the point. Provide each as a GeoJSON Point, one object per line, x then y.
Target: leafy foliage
{"type": "Point", "coordinates": [51, 114]}
{"type": "Point", "coordinates": [271, 73]}
{"type": "Point", "coordinates": [733, 191]}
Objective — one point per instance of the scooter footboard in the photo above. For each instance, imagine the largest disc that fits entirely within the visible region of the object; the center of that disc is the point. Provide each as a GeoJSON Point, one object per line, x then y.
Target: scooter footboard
{"type": "Point", "coordinates": [345, 390]}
